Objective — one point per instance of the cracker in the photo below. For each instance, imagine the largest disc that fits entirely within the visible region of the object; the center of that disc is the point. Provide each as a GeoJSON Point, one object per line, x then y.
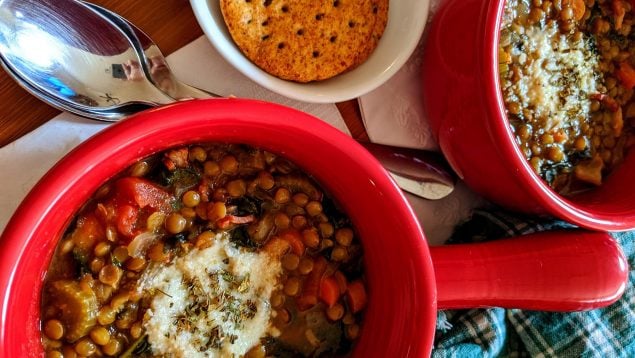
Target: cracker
{"type": "Point", "coordinates": [380, 8]}
{"type": "Point", "coordinates": [305, 40]}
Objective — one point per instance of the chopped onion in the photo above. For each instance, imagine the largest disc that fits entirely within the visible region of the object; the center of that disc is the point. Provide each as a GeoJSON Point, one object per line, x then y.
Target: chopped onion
{"type": "Point", "coordinates": [138, 246]}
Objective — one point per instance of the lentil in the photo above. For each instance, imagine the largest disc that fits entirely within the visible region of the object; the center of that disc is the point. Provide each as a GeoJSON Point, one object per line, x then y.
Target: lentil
{"type": "Point", "coordinates": [191, 198]}
{"type": "Point", "coordinates": [336, 312]}
{"type": "Point", "coordinates": [305, 266]}
{"type": "Point", "coordinates": [290, 262]}
{"type": "Point", "coordinates": [198, 154]}
{"type": "Point", "coordinates": [54, 329]}
{"type": "Point", "coordinates": [311, 238]}
{"type": "Point", "coordinates": [175, 223]}
{"type": "Point", "coordinates": [100, 335]}
{"type": "Point", "coordinates": [211, 169]}
{"type": "Point", "coordinates": [563, 87]}
{"type": "Point", "coordinates": [69, 352]}
{"type": "Point", "coordinates": [242, 194]}
{"type": "Point", "coordinates": [54, 354]}
{"type": "Point", "coordinates": [85, 347]}
{"type": "Point", "coordinates": [112, 348]}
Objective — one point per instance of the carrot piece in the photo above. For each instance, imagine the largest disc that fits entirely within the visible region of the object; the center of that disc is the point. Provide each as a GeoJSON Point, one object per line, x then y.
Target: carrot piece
{"type": "Point", "coordinates": [311, 287]}
{"type": "Point", "coordinates": [294, 238]}
{"type": "Point", "coordinates": [626, 74]}
{"type": "Point", "coordinates": [618, 122]}
{"type": "Point", "coordinates": [618, 12]}
{"type": "Point", "coordinates": [88, 232]}
{"type": "Point", "coordinates": [356, 296]}
{"type": "Point", "coordinates": [329, 291]}
{"type": "Point", "coordinates": [341, 281]}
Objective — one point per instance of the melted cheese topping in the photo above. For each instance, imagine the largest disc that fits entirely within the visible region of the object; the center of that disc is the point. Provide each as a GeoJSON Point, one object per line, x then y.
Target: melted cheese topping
{"type": "Point", "coordinates": [213, 301]}
{"type": "Point", "coordinates": [558, 77]}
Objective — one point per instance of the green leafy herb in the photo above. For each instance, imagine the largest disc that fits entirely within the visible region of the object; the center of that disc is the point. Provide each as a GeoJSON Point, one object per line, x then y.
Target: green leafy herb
{"type": "Point", "coordinates": [181, 177]}
{"type": "Point", "coordinates": [140, 347]}
{"type": "Point", "coordinates": [246, 205]}
{"type": "Point", "coordinates": [81, 260]}
{"type": "Point", "coordinates": [240, 237]}
{"type": "Point", "coordinates": [331, 210]}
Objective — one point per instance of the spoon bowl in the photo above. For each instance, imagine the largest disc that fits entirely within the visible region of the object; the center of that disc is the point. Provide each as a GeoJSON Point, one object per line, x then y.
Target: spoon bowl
{"type": "Point", "coordinates": [110, 114]}
{"type": "Point", "coordinates": [71, 53]}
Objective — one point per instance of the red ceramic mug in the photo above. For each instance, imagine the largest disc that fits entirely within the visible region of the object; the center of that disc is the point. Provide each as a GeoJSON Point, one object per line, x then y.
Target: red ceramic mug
{"type": "Point", "coordinates": [467, 115]}
{"type": "Point", "coordinates": [560, 271]}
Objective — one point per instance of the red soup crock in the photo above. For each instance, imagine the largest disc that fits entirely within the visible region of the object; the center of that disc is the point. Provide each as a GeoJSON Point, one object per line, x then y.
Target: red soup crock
{"type": "Point", "coordinates": [588, 268]}
{"type": "Point", "coordinates": [467, 113]}
{"type": "Point", "coordinates": [401, 314]}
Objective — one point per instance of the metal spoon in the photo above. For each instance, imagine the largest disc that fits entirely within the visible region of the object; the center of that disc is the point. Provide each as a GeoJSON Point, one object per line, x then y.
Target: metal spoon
{"type": "Point", "coordinates": [79, 59]}
{"type": "Point", "coordinates": [153, 62]}
{"type": "Point", "coordinates": [128, 73]}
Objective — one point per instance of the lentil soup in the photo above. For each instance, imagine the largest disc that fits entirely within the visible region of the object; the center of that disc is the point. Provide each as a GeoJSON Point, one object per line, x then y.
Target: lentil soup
{"type": "Point", "coordinates": [567, 72]}
{"type": "Point", "coordinates": [211, 249]}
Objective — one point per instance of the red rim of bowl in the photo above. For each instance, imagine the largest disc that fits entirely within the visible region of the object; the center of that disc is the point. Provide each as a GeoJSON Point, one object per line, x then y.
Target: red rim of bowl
{"type": "Point", "coordinates": [48, 208]}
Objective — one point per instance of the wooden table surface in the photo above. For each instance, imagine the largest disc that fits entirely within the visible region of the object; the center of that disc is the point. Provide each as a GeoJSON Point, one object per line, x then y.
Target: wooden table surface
{"type": "Point", "coordinates": [170, 23]}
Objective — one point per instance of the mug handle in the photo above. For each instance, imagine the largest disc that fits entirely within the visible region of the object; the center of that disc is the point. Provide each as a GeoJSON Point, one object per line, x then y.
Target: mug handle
{"type": "Point", "coordinates": [565, 270]}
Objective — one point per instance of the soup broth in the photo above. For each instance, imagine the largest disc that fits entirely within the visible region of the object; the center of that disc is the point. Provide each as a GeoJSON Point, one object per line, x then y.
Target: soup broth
{"type": "Point", "coordinates": [567, 72]}
{"type": "Point", "coordinates": [206, 250]}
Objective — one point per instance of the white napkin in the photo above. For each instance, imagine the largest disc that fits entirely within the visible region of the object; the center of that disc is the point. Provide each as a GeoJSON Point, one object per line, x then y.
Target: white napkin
{"type": "Point", "coordinates": [24, 162]}
{"type": "Point", "coordinates": [393, 114]}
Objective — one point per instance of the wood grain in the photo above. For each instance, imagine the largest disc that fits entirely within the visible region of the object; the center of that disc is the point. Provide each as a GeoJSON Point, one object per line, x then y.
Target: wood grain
{"type": "Point", "coordinates": [170, 23]}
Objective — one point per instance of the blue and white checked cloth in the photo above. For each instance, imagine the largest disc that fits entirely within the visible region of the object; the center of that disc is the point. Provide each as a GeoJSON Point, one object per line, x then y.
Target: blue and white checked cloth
{"type": "Point", "coordinates": [496, 332]}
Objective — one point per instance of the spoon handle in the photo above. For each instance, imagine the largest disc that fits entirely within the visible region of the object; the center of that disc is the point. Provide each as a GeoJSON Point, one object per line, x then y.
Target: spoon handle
{"type": "Point", "coordinates": [185, 91]}
{"type": "Point", "coordinates": [419, 172]}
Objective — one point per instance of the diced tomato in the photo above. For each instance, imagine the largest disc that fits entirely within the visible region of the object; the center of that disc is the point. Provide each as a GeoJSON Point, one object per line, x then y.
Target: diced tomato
{"type": "Point", "coordinates": [626, 74]}
{"type": "Point", "coordinates": [126, 220]}
{"type": "Point", "coordinates": [142, 193]}
{"type": "Point", "coordinates": [329, 291]}
{"type": "Point", "coordinates": [88, 232]}
{"type": "Point", "coordinates": [311, 288]}
{"type": "Point", "coordinates": [356, 296]}
{"type": "Point", "coordinates": [294, 238]}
